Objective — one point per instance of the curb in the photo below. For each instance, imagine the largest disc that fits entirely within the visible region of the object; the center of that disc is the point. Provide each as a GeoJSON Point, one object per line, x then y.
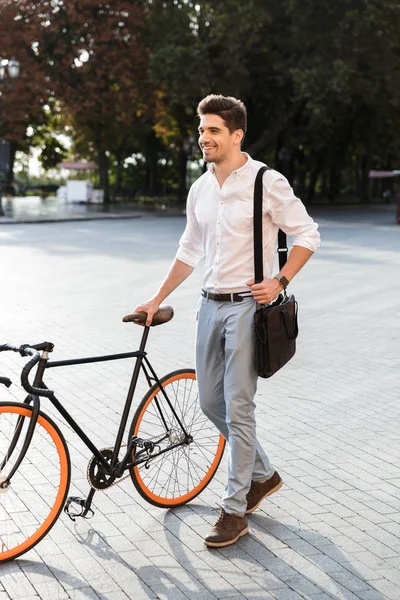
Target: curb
{"type": "Point", "coordinates": [98, 217]}
{"type": "Point", "coordinates": [32, 220]}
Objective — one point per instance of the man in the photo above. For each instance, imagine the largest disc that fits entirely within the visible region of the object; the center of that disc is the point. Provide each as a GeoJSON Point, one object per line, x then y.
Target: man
{"type": "Point", "coordinates": [220, 228]}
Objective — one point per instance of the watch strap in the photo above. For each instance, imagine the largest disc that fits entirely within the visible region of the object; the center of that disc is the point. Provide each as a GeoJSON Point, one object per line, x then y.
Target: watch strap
{"type": "Point", "coordinates": [284, 281]}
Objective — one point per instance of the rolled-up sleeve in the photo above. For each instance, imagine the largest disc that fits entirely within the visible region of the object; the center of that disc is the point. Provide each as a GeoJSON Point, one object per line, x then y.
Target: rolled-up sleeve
{"type": "Point", "coordinates": [289, 214]}
{"type": "Point", "coordinates": [190, 249]}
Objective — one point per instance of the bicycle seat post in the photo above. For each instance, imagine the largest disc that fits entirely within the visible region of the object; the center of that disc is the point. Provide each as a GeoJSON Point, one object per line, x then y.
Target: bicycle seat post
{"type": "Point", "coordinates": [145, 335]}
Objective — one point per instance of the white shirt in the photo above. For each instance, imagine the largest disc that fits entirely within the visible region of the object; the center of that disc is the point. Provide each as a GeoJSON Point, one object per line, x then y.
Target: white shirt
{"type": "Point", "coordinates": [220, 225]}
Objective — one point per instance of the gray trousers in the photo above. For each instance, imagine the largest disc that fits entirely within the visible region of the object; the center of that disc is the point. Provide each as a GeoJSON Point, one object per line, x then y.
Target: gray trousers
{"type": "Point", "coordinates": [227, 382]}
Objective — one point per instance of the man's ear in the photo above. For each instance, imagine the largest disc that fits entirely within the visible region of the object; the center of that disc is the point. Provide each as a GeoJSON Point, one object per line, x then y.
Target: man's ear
{"type": "Point", "coordinates": [238, 136]}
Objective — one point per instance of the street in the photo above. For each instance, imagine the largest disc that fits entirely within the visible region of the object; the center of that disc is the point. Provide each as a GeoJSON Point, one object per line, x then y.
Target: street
{"type": "Point", "coordinates": [330, 420]}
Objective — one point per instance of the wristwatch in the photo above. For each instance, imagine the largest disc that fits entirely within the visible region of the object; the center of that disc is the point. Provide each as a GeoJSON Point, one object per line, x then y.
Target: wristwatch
{"type": "Point", "coordinates": [282, 280]}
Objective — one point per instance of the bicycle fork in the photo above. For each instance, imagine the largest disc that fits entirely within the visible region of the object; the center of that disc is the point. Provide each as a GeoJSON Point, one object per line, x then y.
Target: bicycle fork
{"type": "Point", "coordinates": [29, 434]}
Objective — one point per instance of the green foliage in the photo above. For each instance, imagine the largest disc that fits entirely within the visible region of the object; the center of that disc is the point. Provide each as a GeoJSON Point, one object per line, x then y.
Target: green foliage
{"type": "Point", "coordinates": [48, 137]}
{"type": "Point", "coordinates": [321, 82]}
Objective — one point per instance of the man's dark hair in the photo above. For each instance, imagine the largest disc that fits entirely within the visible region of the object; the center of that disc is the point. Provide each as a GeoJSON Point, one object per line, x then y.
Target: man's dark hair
{"type": "Point", "coordinates": [230, 109]}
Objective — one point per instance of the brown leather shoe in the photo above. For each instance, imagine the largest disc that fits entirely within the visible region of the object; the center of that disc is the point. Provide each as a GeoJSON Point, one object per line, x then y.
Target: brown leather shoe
{"type": "Point", "coordinates": [260, 490]}
{"type": "Point", "coordinates": [227, 530]}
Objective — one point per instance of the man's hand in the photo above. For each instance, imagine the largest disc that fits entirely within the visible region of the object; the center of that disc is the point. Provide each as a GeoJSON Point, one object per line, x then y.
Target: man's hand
{"type": "Point", "coordinates": [150, 307]}
{"type": "Point", "coordinates": [266, 291]}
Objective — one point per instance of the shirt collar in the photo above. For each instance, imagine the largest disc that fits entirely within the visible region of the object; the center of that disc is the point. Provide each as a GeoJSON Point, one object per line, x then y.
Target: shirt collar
{"type": "Point", "coordinates": [238, 172]}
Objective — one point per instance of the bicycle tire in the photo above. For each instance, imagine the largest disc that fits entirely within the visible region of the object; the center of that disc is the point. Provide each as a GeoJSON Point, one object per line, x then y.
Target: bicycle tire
{"type": "Point", "coordinates": [32, 503]}
{"type": "Point", "coordinates": [177, 476]}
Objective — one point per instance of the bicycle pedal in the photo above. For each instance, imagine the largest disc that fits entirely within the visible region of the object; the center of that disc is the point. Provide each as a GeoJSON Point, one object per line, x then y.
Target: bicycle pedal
{"type": "Point", "coordinates": [84, 509]}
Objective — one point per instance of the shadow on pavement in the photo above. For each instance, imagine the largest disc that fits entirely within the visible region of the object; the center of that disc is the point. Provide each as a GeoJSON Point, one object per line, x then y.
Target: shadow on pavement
{"type": "Point", "coordinates": [275, 555]}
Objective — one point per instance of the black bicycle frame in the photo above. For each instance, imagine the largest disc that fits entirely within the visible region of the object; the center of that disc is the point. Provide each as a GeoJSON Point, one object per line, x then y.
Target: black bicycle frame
{"type": "Point", "coordinates": [141, 358]}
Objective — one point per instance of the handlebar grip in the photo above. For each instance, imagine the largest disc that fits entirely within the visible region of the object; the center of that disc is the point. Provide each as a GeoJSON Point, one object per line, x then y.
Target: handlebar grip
{"type": "Point", "coordinates": [5, 381]}
{"type": "Point", "coordinates": [27, 351]}
{"type": "Point", "coordinates": [8, 347]}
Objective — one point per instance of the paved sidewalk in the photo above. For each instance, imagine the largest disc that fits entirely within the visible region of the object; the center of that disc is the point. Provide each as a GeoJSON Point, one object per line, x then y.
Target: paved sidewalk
{"type": "Point", "coordinates": [33, 209]}
{"type": "Point", "coordinates": [330, 420]}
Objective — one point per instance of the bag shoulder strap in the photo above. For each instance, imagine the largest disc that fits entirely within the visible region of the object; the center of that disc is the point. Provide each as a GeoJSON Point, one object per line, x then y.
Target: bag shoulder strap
{"type": "Point", "coordinates": [257, 231]}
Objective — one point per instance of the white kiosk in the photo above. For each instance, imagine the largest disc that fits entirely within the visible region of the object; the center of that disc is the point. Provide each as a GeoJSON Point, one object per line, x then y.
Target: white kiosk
{"type": "Point", "coordinates": [80, 190]}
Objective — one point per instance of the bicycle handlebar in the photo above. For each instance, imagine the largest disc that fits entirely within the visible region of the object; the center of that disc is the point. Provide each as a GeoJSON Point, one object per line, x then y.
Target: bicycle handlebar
{"type": "Point", "coordinates": [5, 381]}
{"type": "Point", "coordinates": [26, 350]}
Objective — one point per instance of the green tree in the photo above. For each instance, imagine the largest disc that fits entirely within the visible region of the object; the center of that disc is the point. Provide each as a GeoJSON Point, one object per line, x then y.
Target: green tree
{"type": "Point", "coordinates": [95, 66]}
{"type": "Point", "coordinates": [48, 136]}
{"type": "Point", "coordinates": [347, 75]}
{"type": "Point", "coordinates": [22, 100]}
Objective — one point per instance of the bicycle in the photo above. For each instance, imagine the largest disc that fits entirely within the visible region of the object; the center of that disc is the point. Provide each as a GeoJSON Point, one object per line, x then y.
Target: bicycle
{"type": "Point", "coordinates": [172, 450]}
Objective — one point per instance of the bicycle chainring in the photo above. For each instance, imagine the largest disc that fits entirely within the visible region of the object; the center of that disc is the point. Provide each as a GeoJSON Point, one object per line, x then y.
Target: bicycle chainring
{"type": "Point", "coordinates": [97, 477]}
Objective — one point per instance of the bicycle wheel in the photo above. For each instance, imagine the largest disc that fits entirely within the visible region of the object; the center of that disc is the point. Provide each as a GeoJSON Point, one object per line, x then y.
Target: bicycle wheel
{"type": "Point", "coordinates": [32, 502]}
{"type": "Point", "coordinates": [181, 473]}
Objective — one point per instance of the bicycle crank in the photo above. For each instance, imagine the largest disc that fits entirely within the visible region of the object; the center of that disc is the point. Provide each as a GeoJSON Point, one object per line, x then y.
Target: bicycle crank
{"type": "Point", "coordinates": [97, 476]}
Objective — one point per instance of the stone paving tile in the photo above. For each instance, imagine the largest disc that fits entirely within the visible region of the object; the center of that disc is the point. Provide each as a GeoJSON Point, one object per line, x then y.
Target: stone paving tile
{"type": "Point", "coordinates": [51, 590]}
{"type": "Point", "coordinates": [4, 596]}
{"type": "Point", "coordinates": [333, 531]}
{"type": "Point", "coordinates": [114, 595]}
{"type": "Point", "coordinates": [16, 584]}
{"type": "Point", "coordinates": [83, 594]}
{"type": "Point", "coordinates": [164, 591]}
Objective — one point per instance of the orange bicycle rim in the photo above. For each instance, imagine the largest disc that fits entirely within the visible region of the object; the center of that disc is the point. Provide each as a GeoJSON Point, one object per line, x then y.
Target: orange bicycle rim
{"type": "Point", "coordinates": [62, 489]}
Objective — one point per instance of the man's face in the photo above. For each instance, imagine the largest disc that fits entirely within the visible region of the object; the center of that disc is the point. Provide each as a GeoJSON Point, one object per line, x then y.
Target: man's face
{"type": "Point", "coordinates": [217, 143]}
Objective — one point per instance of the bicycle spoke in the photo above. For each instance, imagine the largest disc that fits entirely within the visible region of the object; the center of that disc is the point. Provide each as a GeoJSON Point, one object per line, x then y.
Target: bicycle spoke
{"type": "Point", "coordinates": [182, 472]}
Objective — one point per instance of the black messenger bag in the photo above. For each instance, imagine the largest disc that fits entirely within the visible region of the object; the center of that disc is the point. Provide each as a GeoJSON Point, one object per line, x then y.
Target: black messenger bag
{"type": "Point", "coordinates": [275, 324]}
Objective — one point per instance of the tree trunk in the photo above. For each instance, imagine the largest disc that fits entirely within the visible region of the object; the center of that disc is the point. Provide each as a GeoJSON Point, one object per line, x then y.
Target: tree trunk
{"type": "Point", "coordinates": [334, 183]}
{"type": "Point", "coordinates": [324, 184]}
{"type": "Point", "coordinates": [366, 187]}
{"type": "Point", "coordinates": [318, 161]}
{"type": "Point", "coordinates": [10, 174]}
{"type": "Point", "coordinates": [311, 186]}
{"type": "Point", "coordinates": [118, 179]}
{"type": "Point", "coordinates": [182, 164]}
{"type": "Point", "coordinates": [152, 171]}
{"type": "Point", "coordinates": [104, 176]}
{"type": "Point", "coordinates": [301, 183]}
{"type": "Point", "coordinates": [357, 177]}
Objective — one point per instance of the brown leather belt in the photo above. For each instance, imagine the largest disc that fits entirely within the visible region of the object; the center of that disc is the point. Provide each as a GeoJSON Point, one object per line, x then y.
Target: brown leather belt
{"type": "Point", "coordinates": [224, 297]}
